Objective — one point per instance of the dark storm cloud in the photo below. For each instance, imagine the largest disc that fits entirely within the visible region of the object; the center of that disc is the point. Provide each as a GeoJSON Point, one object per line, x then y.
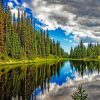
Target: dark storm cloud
{"type": "Point", "coordinates": [84, 13]}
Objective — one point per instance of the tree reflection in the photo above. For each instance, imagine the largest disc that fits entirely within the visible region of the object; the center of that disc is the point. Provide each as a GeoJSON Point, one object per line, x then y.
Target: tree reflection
{"type": "Point", "coordinates": [85, 66]}
{"type": "Point", "coordinates": [20, 82]}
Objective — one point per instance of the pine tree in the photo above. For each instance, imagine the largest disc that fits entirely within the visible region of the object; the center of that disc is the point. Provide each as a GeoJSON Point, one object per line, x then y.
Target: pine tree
{"type": "Point", "coordinates": [38, 40]}
{"type": "Point", "coordinates": [9, 33]}
{"type": "Point", "coordinates": [16, 43]}
{"type": "Point", "coordinates": [71, 53]}
{"type": "Point", "coordinates": [54, 47]}
{"type": "Point", "coordinates": [51, 46]}
{"type": "Point", "coordinates": [1, 27]}
{"type": "Point", "coordinates": [28, 36]}
{"type": "Point", "coordinates": [79, 94]}
{"type": "Point", "coordinates": [35, 46]}
{"type": "Point", "coordinates": [47, 44]}
{"type": "Point", "coordinates": [6, 28]}
{"type": "Point", "coordinates": [34, 42]}
{"type": "Point", "coordinates": [58, 49]}
{"type": "Point", "coordinates": [18, 22]}
{"type": "Point", "coordinates": [42, 43]}
{"type": "Point", "coordinates": [14, 23]}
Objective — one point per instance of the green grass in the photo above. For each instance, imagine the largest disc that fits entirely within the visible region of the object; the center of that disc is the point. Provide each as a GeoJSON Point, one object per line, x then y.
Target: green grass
{"type": "Point", "coordinates": [5, 60]}
{"type": "Point", "coordinates": [83, 59]}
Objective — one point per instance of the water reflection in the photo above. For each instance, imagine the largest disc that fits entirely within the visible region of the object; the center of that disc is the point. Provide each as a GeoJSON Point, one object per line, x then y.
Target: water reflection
{"type": "Point", "coordinates": [25, 82]}
{"type": "Point", "coordinates": [85, 67]}
{"type": "Point", "coordinates": [20, 82]}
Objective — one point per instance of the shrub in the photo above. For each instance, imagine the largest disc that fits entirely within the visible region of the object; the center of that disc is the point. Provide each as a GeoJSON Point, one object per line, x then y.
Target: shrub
{"type": "Point", "coordinates": [79, 94]}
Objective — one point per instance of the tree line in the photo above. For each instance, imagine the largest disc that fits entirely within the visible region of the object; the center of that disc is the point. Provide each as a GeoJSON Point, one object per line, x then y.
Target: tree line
{"type": "Point", "coordinates": [81, 51]}
{"type": "Point", "coordinates": [19, 39]}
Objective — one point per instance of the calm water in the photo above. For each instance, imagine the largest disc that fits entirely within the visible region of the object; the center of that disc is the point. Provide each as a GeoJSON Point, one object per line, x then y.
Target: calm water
{"type": "Point", "coordinates": [26, 82]}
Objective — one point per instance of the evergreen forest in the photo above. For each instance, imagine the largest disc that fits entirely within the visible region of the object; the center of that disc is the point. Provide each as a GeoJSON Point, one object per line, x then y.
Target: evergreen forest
{"type": "Point", "coordinates": [81, 51]}
{"type": "Point", "coordinates": [19, 38]}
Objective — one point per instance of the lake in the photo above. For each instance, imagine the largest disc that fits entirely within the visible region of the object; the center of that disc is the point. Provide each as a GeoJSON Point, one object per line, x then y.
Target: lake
{"type": "Point", "coordinates": [48, 81]}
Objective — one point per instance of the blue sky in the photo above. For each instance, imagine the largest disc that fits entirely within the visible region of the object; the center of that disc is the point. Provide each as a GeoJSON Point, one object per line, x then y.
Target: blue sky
{"type": "Point", "coordinates": [67, 21]}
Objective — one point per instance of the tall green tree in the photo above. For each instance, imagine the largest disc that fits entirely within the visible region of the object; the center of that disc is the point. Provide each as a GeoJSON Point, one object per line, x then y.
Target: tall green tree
{"type": "Point", "coordinates": [47, 44]}
{"type": "Point", "coordinates": [43, 43]}
{"type": "Point", "coordinates": [1, 27]}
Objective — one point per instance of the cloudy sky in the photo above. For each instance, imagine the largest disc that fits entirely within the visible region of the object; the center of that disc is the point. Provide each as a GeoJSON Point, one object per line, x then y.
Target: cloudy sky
{"type": "Point", "coordinates": [68, 21]}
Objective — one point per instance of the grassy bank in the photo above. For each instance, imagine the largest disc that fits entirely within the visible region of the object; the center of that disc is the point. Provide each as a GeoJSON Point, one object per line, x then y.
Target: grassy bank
{"type": "Point", "coordinates": [83, 59]}
{"type": "Point", "coordinates": [29, 61]}
{"type": "Point", "coordinates": [10, 61]}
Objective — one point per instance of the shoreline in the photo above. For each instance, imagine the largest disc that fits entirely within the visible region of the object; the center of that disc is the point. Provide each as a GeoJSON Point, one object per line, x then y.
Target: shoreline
{"type": "Point", "coordinates": [83, 59]}
{"type": "Point", "coordinates": [30, 61]}
{"type": "Point", "coordinates": [39, 60]}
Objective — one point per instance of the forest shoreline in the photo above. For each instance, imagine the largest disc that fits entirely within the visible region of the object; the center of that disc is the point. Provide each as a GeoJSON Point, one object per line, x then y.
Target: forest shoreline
{"type": "Point", "coordinates": [83, 59]}
{"type": "Point", "coordinates": [41, 60]}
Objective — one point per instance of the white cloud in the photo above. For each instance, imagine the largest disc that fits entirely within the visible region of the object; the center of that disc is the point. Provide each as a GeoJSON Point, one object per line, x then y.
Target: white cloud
{"type": "Point", "coordinates": [74, 16]}
{"type": "Point", "coordinates": [10, 4]}
{"type": "Point", "coordinates": [51, 38]}
{"type": "Point", "coordinates": [70, 86]}
{"type": "Point", "coordinates": [24, 4]}
{"type": "Point", "coordinates": [16, 2]}
{"type": "Point", "coordinates": [74, 44]}
{"type": "Point", "coordinates": [15, 11]}
{"type": "Point", "coordinates": [70, 41]}
{"type": "Point", "coordinates": [86, 44]}
{"type": "Point", "coordinates": [66, 39]}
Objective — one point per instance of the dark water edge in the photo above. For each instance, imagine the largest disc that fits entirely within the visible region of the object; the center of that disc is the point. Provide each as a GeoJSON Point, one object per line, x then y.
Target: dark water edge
{"type": "Point", "coordinates": [48, 81]}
